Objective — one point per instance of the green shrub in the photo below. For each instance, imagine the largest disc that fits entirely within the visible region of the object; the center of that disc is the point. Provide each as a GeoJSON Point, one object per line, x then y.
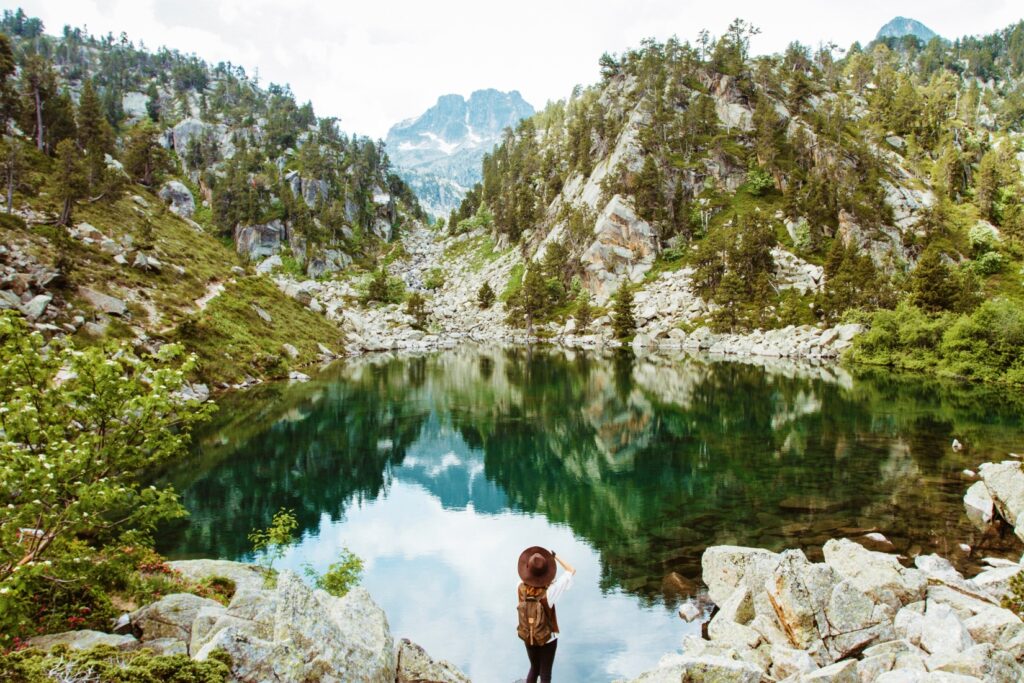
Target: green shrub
{"type": "Point", "coordinates": [1015, 599]}
{"type": "Point", "coordinates": [104, 663]}
{"type": "Point", "coordinates": [989, 263]}
{"type": "Point", "coordinates": [416, 306]}
{"type": "Point", "coordinates": [341, 576]}
{"type": "Point", "coordinates": [435, 278]}
{"type": "Point", "coordinates": [384, 289]}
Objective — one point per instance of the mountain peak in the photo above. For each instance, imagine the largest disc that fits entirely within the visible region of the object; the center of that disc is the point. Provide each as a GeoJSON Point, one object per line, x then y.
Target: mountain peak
{"type": "Point", "coordinates": [443, 146]}
{"type": "Point", "coordinates": [904, 26]}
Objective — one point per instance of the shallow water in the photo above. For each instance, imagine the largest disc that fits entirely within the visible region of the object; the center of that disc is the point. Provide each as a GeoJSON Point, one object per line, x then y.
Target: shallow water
{"type": "Point", "coordinates": [437, 470]}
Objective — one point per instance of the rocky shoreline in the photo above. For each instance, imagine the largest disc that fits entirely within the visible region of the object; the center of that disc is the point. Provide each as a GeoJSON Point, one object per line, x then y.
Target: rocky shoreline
{"type": "Point", "coordinates": [858, 616]}
{"type": "Point", "coordinates": [663, 308]}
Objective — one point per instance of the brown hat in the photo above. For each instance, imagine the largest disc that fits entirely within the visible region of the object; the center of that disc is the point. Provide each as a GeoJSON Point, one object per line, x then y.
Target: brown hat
{"type": "Point", "coordinates": [537, 567]}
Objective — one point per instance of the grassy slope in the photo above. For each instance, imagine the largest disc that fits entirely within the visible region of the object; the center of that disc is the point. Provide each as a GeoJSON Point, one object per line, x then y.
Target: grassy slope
{"type": "Point", "coordinates": [229, 336]}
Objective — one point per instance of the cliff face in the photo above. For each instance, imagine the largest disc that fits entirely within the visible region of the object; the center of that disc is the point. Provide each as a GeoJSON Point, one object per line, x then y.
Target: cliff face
{"type": "Point", "coordinates": [439, 152]}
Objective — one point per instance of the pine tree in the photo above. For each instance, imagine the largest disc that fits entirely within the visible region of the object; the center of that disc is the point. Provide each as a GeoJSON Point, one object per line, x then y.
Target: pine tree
{"type": "Point", "coordinates": [11, 163]}
{"type": "Point", "coordinates": [932, 283]}
{"type": "Point", "coordinates": [95, 136]}
{"type": "Point", "coordinates": [153, 102]}
{"type": "Point", "coordinates": [623, 322]}
{"type": "Point", "coordinates": [648, 196]}
{"type": "Point", "coordinates": [485, 296]}
{"type": "Point", "coordinates": [987, 185]}
{"type": "Point", "coordinates": [8, 96]}
{"type": "Point", "coordinates": [69, 179]}
{"type": "Point", "coordinates": [584, 313]}
{"type": "Point", "coordinates": [37, 84]}
{"type": "Point", "coordinates": [416, 306]}
{"type": "Point", "coordinates": [533, 297]}
{"type": "Point", "coordinates": [144, 158]}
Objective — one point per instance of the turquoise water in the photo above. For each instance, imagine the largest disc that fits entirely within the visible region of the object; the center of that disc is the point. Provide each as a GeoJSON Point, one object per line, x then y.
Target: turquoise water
{"type": "Point", "coordinates": [438, 470]}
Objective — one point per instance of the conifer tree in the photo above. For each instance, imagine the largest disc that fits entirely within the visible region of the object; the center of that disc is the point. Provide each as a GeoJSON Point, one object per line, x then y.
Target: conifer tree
{"type": "Point", "coordinates": [69, 179]}
{"type": "Point", "coordinates": [95, 136]}
{"type": "Point", "coordinates": [144, 158]}
{"type": "Point", "coordinates": [11, 163]}
{"type": "Point", "coordinates": [485, 296]}
{"type": "Point", "coordinates": [584, 312]}
{"type": "Point", "coordinates": [932, 283]}
{"type": "Point", "coordinates": [37, 84]}
{"type": "Point", "coordinates": [533, 297]}
{"type": "Point", "coordinates": [623, 322]}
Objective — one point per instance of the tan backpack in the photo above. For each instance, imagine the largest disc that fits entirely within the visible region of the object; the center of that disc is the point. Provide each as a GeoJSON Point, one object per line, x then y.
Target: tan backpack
{"type": "Point", "coordinates": [535, 626]}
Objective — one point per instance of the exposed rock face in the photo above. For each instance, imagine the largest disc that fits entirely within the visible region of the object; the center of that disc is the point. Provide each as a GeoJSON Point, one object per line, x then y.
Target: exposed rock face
{"type": "Point", "coordinates": [187, 130]}
{"type": "Point", "coordinates": [179, 197]}
{"type": "Point", "coordinates": [1005, 484]}
{"type": "Point", "coordinates": [295, 633]}
{"type": "Point", "coordinates": [171, 616]}
{"type": "Point", "coordinates": [624, 248]}
{"type": "Point", "coordinates": [416, 666]}
{"type": "Point", "coordinates": [311, 190]}
{"type": "Point", "coordinates": [258, 241]}
{"type": "Point", "coordinates": [245, 576]}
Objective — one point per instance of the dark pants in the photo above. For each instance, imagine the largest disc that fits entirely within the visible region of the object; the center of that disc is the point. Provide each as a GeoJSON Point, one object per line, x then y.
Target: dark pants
{"type": "Point", "coordinates": [542, 657]}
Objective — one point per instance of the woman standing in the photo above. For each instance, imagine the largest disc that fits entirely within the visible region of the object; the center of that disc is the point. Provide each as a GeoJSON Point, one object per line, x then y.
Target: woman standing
{"type": "Point", "coordinates": [538, 593]}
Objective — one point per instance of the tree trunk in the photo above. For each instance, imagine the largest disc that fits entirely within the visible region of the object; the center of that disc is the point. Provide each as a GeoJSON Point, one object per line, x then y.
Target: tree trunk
{"type": "Point", "coordinates": [39, 121]}
{"type": "Point", "coordinates": [10, 191]}
{"type": "Point", "coordinates": [65, 215]}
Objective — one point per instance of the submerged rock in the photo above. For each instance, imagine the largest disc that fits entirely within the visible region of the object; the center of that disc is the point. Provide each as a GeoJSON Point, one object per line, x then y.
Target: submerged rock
{"type": "Point", "coordinates": [416, 666]}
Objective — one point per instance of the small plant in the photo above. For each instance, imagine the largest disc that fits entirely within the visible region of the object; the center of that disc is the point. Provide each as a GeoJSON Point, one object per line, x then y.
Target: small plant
{"type": "Point", "coordinates": [416, 306]}
{"type": "Point", "coordinates": [485, 296]}
{"type": "Point", "coordinates": [341, 576]}
{"type": "Point", "coordinates": [273, 540]}
{"type": "Point", "coordinates": [435, 279]}
{"type": "Point", "coordinates": [1014, 601]}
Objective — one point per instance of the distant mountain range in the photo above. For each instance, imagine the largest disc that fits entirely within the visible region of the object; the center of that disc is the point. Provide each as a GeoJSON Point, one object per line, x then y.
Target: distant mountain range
{"type": "Point", "coordinates": [902, 26]}
{"type": "Point", "coordinates": [439, 152]}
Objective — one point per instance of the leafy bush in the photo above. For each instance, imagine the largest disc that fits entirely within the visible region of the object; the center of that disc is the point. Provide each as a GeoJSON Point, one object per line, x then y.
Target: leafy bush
{"type": "Point", "coordinates": [384, 289]}
{"type": "Point", "coordinates": [986, 345]}
{"type": "Point", "coordinates": [983, 238]}
{"type": "Point", "coordinates": [989, 263]}
{"type": "Point", "coordinates": [435, 278]}
{"type": "Point", "coordinates": [78, 427]}
{"type": "Point", "coordinates": [1015, 599]}
{"type": "Point", "coordinates": [341, 576]}
{"type": "Point", "coordinates": [104, 663]}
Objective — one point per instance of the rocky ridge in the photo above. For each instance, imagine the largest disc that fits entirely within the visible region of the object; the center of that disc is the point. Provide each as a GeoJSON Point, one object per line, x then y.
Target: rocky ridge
{"type": "Point", "coordinates": [289, 632]}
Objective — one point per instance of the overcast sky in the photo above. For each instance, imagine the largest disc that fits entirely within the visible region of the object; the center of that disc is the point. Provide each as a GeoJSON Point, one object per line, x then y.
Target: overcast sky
{"type": "Point", "coordinates": [376, 62]}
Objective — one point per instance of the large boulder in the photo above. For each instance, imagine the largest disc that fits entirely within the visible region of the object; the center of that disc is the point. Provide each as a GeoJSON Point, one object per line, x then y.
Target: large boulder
{"type": "Point", "coordinates": [259, 241]}
{"type": "Point", "coordinates": [179, 197]}
{"type": "Point", "coordinates": [1005, 484]}
{"type": "Point", "coordinates": [880, 576]}
{"type": "Point", "coordinates": [83, 640]}
{"type": "Point", "coordinates": [244, 576]}
{"type": "Point", "coordinates": [726, 567]}
{"type": "Point", "coordinates": [171, 616]}
{"type": "Point", "coordinates": [295, 633]}
{"type": "Point", "coordinates": [624, 248]}
{"type": "Point", "coordinates": [416, 666]}
{"type": "Point", "coordinates": [701, 669]}
{"type": "Point", "coordinates": [979, 505]}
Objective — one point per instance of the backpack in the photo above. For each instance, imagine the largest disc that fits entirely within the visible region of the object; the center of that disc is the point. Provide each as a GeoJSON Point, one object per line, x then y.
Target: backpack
{"type": "Point", "coordinates": [534, 621]}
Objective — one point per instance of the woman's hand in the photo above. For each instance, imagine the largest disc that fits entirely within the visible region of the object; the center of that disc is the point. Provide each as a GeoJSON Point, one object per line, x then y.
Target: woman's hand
{"type": "Point", "coordinates": [565, 565]}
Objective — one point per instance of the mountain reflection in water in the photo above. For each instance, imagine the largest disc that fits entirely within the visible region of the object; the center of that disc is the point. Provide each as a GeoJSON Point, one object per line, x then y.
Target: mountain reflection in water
{"type": "Point", "coordinates": [438, 469]}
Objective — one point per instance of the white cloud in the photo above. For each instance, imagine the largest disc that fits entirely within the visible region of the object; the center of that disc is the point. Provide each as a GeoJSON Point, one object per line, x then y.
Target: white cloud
{"type": "Point", "coordinates": [374, 64]}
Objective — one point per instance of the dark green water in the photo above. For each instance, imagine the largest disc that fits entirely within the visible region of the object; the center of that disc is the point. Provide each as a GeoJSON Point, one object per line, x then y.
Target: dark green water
{"type": "Point", "coordinates": [439, 469]}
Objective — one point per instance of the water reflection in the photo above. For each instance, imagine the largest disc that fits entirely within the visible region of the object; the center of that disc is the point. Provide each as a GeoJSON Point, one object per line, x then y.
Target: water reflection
{"type": "Point", "coordinates": [435, 468]}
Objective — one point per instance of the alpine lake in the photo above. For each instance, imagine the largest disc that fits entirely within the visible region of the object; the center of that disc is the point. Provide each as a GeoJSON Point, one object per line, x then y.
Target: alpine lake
{"type": "Point", "coordinates": [437, 470]}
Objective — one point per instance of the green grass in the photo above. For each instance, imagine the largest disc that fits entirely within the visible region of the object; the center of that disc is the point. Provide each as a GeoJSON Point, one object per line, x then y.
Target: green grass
{"type": "Point", "coordinates": [514, 284]}
{"type": "Point", "coordinates": [476, 252]}
{"type": "Point", "coordinates": [232, 340]}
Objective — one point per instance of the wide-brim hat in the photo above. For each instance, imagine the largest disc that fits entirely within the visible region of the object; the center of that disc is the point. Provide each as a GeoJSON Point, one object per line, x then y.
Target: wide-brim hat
{"type": "Point", "coordinates": [537, 567]}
